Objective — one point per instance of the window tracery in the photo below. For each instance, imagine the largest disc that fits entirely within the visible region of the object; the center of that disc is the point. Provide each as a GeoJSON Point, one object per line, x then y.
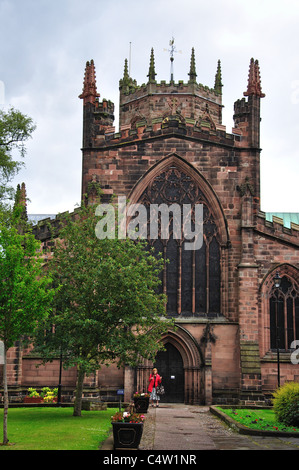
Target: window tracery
{"type": "Point", "coordinates": [284, 314]}
{"type": "Point", "coordinates": [191, 279]}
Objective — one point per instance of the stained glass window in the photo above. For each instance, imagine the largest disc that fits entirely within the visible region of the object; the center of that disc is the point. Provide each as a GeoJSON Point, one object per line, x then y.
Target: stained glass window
{"type": "Point", "coordinates": [284, 314]}
{"type": "Point", "coordinates": [191, 278]}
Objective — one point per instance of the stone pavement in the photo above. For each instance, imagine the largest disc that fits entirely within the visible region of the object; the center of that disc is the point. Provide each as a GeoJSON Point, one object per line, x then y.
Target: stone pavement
{"type": "Point", "coordinates": [186, 427]}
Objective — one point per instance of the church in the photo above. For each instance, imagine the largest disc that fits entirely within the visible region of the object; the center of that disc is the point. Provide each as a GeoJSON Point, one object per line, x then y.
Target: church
{"type": "Point", "coordinates": [235, 300]}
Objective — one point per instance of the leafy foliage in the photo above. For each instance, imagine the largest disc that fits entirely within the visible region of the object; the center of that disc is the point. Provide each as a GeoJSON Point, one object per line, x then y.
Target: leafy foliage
{"type": "Point", "coordinates": [25, 294]}
{"type": "Point", "coordinates": [286, 403]}
{"type": "Point", "coordinates": [32, 393]}
{"type": "Point", "coordinates": [15, 130]}
{"type": "Point", "coordinates": [107, 309]}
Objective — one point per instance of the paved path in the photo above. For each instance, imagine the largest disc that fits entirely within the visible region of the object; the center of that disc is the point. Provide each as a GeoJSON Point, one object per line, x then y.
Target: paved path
{"type": "Point", "coordinates": [186, 427]}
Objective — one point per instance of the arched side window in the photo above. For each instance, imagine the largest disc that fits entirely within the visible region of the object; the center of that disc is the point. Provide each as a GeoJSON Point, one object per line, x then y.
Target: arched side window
{"type": "Point", "coordinates": [284, 314]}
{"type": "Point", "coordinates": [191, 278]}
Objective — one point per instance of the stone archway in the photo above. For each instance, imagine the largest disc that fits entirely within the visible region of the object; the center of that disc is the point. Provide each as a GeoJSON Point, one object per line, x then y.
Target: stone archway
{"type": "Point", "coordinates": [194, 280]}
{"type": "Point", "coordinates": [171, 368]}
{"type": "Point", "coordinates": [192, 358]}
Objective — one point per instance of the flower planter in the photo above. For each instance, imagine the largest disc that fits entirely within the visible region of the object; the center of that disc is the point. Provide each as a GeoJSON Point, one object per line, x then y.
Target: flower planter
{"type": "Point", "coordinates": [33, 400]}
{"type": "Point", "coordinates": [127, 435]}
{"type": "Point", "coordinates": [141, 404]}
{"type": "Point", "coordinates": [54, 400]}
{"type": "Point", "coordinates": [38, 400]}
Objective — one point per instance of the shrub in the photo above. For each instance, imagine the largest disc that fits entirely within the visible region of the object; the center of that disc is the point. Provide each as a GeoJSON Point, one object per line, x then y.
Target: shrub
{"type": "Point", "coordinates": [49, 394]}
{"type": "Point", "coordinates": [44, 391]}
{"type": "Point", "coordinates": [33, 393]}
{"type": "Point", "coordinates": [286, 404]}
{"type": "Point", "coordinates": [47, 390]}
{"type": "Point", "coordinates": [49, 397]}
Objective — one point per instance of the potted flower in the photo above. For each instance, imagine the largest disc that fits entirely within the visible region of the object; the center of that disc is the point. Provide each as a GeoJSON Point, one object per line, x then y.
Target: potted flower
{"type": "Point", "coordinates": [127, 429]}
{"type": "Point", "coordinates": [33, 396]}
{"type": "Point", "coordinates": [45, 396]}
{"type": "Point", "coordinates": [141, 402]}
{"type": "Point", "coordinates": [49, 396]}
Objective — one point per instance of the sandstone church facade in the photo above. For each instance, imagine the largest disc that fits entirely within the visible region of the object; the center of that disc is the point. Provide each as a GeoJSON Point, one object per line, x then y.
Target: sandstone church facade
{"type": "Point", "coordinates": [172, 147]}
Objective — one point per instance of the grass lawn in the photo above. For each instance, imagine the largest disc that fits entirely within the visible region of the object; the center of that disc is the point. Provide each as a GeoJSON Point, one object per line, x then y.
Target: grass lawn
{"type": "Point", "coordinates": [258, 419]}
{"type": "Point", "coordinates": [55, 429]}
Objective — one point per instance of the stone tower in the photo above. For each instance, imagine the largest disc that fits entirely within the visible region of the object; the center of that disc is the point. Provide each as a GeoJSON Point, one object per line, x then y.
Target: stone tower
{"type": "Point", "coordinates": [173, 147]}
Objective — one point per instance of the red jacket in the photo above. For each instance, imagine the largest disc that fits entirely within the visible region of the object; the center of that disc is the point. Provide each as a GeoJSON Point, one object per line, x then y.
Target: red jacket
{"type": "Point", "coordinates": [154, 383]}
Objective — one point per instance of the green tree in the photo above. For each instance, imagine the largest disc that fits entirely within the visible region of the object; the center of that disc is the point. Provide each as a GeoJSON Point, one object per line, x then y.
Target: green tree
{"type": "Point", "coordinates": [25, 294]}
{"type": "Point", "coordinates": [107, 309]}
{"type": "Point", "coordinates": [15, 129]}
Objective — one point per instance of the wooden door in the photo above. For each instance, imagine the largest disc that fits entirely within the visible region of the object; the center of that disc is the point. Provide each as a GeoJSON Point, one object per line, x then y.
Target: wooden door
{"type": "Point", "coordinates": [170, 366]}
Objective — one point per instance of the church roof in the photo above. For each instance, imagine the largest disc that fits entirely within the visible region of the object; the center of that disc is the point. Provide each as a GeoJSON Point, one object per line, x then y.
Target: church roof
{"type": "Point", "coordinates": [287, 218]}
{"type": "Point", "coordinates": [35, 218]}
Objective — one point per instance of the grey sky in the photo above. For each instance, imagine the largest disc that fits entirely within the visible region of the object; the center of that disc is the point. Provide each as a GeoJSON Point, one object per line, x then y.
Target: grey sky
{"type": "Point", "coordinates": [45, 44]}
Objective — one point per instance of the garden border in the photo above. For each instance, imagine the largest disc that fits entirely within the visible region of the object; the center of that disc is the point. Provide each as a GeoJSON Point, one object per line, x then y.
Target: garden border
{"type": "Point", "coordinates": [241, 429]}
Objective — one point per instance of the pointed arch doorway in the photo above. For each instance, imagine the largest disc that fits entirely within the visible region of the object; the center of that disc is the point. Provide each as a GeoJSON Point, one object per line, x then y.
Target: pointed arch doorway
{"type": "Point", "coordinates": [170, 366]}
{"type": "Point", "coordinates": [181, 365]}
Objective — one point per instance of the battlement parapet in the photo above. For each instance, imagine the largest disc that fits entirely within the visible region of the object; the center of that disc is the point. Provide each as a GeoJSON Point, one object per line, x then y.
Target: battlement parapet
{"type": "Point", "coordinates": [49, 227]}
{"type": "Point", "coordinates": [104, 106]}
{"type": "Point", "coordinates": [168, 87]}
{"type": "Point", "coordinates": [278, 228]}
{"type": "Point", "coordinates": [173, 124]}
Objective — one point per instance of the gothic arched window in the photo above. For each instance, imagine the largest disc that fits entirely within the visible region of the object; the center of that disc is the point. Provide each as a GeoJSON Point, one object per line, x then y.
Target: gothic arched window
{"type": "Point", "coordinates": [284, 314]}
{"type": "Point", "coordinates": [191, 278]}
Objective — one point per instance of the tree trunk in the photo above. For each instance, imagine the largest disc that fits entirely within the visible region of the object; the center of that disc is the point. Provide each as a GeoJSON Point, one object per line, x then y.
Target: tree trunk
{"type": "Point", "coordinates": [5, 439]}
{"type": "Point", "coordinates": [79, 391]}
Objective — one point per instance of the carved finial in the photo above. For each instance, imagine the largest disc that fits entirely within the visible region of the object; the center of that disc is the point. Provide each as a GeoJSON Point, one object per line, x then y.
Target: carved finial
{"type": "Point", "coordinates": [218, 79]}
{"type": "Point", "coordinates": [127, 83]}
{"type": "Point", "coordinates": [254, 80]}
{"type": "Point", "coordinates": [152, 73]}
{"type": "Point", "coordinates": [192, 74]}
{"type": "Point", "coordinates": [89, 93]}
{"type": "Point", "coordinates": [126, 78]}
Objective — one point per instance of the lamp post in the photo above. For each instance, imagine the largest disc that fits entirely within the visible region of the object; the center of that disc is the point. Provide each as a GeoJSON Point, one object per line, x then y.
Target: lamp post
{"type": "Point", "coordinates": [277, 282]}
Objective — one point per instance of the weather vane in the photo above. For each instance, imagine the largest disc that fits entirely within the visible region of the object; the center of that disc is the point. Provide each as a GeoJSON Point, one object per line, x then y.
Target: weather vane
{"type": "Point", "coordinates": [172, 50]}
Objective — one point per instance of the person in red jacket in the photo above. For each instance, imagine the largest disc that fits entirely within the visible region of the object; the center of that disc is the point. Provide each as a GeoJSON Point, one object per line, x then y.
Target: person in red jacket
{"type": "Point", "coordinates": [154, 380]}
